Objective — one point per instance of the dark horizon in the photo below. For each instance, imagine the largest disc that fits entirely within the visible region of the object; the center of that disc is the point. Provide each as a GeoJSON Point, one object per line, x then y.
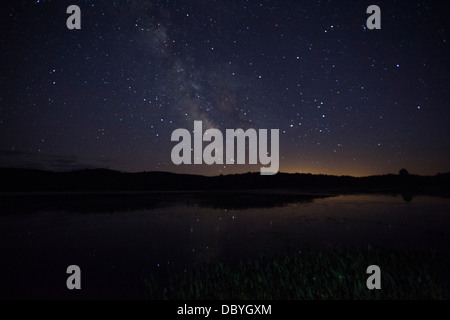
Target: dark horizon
{"type": "Point", "coordinates": [256, 172]}
{"type": "Point", "coordinates": [105, 180]}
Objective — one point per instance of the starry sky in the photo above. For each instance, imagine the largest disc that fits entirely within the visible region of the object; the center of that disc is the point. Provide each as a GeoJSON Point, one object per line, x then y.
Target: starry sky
{"type": "Point", "coordinates": [347, 100]}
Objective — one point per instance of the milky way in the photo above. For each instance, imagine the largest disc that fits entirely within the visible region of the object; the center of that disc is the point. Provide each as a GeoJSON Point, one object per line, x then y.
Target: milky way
{"type": "Point", "coordinates": [347, 100]}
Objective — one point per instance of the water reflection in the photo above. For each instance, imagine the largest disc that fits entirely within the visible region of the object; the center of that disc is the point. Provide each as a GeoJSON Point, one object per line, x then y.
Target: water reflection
{"type": "Point", "coordinates": [191, 229]}
{"type": "Point", "coordinates": [126, 202]}
{"type": "Point", "coordinates": [245, 222]}
{"type": "Point", "coordinates": [248, 200]}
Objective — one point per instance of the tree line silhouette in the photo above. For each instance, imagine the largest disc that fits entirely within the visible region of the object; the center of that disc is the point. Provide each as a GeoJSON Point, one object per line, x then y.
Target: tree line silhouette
{"type": "Point", "coordinates": [29, 180]}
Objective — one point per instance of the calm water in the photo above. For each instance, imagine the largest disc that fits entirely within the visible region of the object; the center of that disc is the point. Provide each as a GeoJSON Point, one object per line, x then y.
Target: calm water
{"type": "Point", "coordinates": [116, 247]}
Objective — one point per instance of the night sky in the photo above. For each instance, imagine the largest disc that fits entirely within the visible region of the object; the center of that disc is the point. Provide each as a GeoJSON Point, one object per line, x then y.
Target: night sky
{"type": "Point", "coordinates": [347, 100]}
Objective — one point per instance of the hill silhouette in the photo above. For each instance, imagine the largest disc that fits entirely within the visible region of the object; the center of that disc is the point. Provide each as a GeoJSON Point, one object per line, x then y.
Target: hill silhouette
{"type": "Point", "coordinates": [94, 180]}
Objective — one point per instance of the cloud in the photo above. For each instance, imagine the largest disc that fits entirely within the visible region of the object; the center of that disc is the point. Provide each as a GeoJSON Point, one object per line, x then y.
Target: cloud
{"type": "Point", "coordinates": [42, 161]}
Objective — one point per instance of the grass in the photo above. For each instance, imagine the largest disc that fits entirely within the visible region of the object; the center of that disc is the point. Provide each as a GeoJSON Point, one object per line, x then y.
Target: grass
{"type": "Point", "coordinates": [331, 274]}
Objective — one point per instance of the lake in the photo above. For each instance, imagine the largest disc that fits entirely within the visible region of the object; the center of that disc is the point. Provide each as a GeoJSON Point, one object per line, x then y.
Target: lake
{"type": "Point", "coordinates": [117, 239]}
